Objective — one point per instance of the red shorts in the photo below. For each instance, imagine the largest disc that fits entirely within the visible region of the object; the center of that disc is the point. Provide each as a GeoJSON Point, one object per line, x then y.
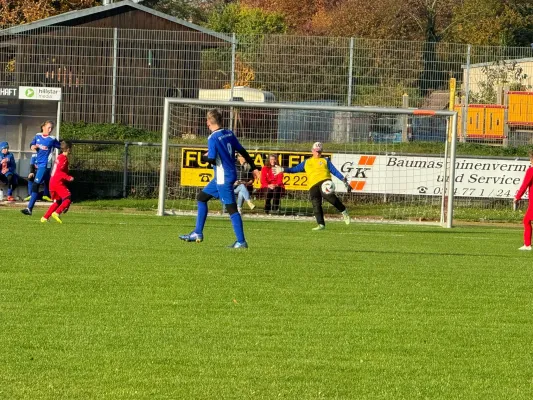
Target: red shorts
{"type": "Point", "coordinates": [58, 192]}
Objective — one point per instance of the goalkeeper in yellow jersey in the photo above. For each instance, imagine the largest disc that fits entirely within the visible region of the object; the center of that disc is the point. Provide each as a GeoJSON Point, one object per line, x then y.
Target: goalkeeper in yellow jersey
{"type": "Point", "coordinates": [319, 170]}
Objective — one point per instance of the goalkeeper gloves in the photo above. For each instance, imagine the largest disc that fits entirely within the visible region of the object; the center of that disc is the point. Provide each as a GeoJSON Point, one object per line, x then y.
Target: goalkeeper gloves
{"type": "Point", "coordinates": [277, 169]}
{"type": "Point", "coordinates": [347, 185]}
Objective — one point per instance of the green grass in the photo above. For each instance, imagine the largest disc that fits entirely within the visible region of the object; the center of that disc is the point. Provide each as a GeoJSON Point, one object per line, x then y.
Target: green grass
{"type": "Point", "coordinates": [113, 306]}
{"type": "Point", "coordinates": [500, 211]}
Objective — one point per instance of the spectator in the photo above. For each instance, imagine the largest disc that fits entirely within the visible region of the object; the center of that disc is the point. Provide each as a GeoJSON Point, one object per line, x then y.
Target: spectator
{"type": "Point", "coordinates": [244, 183]}
{"type": "Point", "coordinates": [272, 185]}
{"type": "Point", "coordinates": [8, 167]}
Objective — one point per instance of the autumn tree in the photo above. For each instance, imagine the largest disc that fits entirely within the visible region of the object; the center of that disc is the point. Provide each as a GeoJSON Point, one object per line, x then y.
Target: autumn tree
{"type": "Point", "coordinates": [493, 22]}
{"type": "Point", "coordinates": [249, 24]}
{"type": "Point", "coordinates": [196, 11]}
{"type": "Point", "coordinates": [16, 12]}
{"type": "Point", "coordinates": [300, 17]}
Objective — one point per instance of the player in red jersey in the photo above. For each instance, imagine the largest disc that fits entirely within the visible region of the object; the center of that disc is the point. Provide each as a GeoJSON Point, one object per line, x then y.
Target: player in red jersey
{"type": "Point", "coordinates": [527, 184]}
{"type": "Point", "coordinates": [58, 188]}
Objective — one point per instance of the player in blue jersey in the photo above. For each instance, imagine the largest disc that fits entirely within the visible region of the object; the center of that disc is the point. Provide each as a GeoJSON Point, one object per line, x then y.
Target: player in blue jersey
{"type": "Point", "coordinates": [8, 168]}
{"type": "Point", "coordinates": [31, 175]}
{"type": "Point", "coordinates": [45, 194]}
{"type": "Point", "coordinates": [221, 147]}
{"type": "Point", "coordinates": [43, 143]}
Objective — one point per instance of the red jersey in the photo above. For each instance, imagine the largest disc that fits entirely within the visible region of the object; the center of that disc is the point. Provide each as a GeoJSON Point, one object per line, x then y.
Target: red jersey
{"type": "Point", "coordinates": [268, 177]}
{"type": "Point", "coordinates": [527, 183]}
{"type": "Point", "coordinates": [60, 171]}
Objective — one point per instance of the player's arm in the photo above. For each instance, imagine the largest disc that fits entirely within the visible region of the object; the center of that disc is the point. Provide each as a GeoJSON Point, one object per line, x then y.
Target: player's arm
{"type": "Point", "coordinates": [211, 155]}
{"type": "Point", "coordinates": [242, 151]}
{"type": "Point", "coordinates": [68, 177]}
{"type": "Point", "coordinates": [338, 175]}
{"type": "Point", "coordinates": [33, 143]}
{"type": "Point", "coordinates": [528, 178]}
{"type": "Point", "coordinates": [334, 170]}
{"type": "Point", "coordinates": [293, 170]}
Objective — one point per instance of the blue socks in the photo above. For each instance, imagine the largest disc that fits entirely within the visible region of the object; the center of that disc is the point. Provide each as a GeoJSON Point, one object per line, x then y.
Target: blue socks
{"type": "Point", "coordinates": [236, 221]}
{"type": "Point", "coordinates": [33, 199]}
{"type": "Point", "coordinates": [201, 217]}
{"type": "Point", "coordinates": [235, 218]}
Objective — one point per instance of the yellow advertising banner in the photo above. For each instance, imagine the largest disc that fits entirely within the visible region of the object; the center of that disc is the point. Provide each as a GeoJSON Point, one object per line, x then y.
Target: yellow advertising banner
{"type": "Point", "coordinates": [194, 172]}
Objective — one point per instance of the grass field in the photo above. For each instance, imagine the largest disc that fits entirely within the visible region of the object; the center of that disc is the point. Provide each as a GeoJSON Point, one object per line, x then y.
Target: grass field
{"type": "Point", "coordinates": [114, 306]}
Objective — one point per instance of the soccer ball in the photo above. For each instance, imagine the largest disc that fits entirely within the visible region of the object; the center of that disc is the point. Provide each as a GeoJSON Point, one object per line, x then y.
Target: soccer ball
{"type": "Point", "coordinates": [328, 187]}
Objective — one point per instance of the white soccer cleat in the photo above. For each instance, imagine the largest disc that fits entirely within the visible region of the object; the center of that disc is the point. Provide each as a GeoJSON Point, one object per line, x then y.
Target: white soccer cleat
{"type": "Point", "coordinates": [319, 228]}
{"type": "Point", "coordinates": [346, 217]}
{"type": "Point", "coordinates": [526, 248]}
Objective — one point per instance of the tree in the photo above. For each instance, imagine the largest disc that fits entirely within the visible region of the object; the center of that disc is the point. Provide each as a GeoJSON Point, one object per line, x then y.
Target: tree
{"type": "Point", "coordinates": [191, 10]}
{"type": "Point", "coordinates": [250, 24]}
{"type": "Point", "coordinates": [300, 17]}
{"type": "Point", "coordinates": [15, 12]}
{"type": "Point", "coordinates": [494, 22]}
{"type": "Point", "coordinates": [234, 18]}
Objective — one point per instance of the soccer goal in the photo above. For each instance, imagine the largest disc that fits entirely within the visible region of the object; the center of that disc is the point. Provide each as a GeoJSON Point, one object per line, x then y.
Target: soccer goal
{"type": "Point", "coordinates": [399, 162]}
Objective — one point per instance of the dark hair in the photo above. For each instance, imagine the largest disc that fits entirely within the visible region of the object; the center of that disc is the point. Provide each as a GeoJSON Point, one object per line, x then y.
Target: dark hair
{"type": "Point", "coordinates": [65, 145]}
{"type": "Point", "coordinates": [530, 153]}
{"type": "Point", "coordinates": [47, 122]}
{"type": "Point", "coordinates": [215, 116]}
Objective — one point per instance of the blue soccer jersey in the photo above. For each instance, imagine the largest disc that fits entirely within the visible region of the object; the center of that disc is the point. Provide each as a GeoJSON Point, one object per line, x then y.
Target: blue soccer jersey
{"type": "Point", "coordinates": [221, 147]}
{"type": "Point", "coordinates": [45, 145]}
{"type": "Point", "coordinates": [9, 165]}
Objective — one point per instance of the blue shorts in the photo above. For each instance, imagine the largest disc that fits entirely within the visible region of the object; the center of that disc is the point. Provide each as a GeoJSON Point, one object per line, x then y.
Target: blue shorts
{"type": "Point", "coordinates": [41, 175]}
{"type": "Point", "coordinates": [223, 192]}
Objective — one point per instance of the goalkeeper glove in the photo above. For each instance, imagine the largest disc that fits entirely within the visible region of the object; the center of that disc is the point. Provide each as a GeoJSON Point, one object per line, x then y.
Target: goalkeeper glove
{"type": "Point", "coordinates": [277, 169]}
{"type": "Point", "coordinates": [347, 185]}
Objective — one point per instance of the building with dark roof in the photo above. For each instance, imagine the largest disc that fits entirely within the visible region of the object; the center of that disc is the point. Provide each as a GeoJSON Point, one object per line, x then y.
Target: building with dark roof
{"type": "Point", "coordinates": [115, 63]}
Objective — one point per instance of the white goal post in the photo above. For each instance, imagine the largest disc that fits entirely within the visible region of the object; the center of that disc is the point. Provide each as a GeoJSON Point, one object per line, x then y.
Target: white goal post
{"type": "Point", "coordinates": [407, 177]}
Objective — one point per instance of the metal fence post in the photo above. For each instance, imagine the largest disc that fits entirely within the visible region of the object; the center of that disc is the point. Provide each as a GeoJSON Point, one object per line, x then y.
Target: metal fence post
{"type": "Point", "coordinates": [350, 73]}
{"type": "Point", "coordinates": [506, 128]}
{"type": "Point", "coordinates": [125, 175]}
{"type": "Point", "coordinates": [114, 93]}
{"type": "Point", "coordinates": [467, 94]}
{"type": "Point", "coordinates": [232, 82]}
{"type": "Point", "coordinates": [405, 119]}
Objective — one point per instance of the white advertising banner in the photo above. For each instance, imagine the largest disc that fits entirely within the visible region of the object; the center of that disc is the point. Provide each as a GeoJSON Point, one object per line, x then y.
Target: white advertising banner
{"type": "Point", "coordinates": [39, 93]}
{"type": "Point", "coordinates": [424, 175]}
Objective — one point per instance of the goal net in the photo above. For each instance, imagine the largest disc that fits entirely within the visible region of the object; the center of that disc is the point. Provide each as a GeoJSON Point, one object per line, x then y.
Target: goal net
{"type": "Point", "coordinates": [399, 162]}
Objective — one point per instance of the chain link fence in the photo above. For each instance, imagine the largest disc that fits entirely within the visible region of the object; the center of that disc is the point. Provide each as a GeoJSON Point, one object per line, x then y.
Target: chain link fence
{"type": "Point", "coordinates": [122, 75]}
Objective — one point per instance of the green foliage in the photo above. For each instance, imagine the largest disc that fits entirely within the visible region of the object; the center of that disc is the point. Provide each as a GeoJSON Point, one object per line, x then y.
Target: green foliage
{"type": "Point", "coordinates": [499, 73]}
{"type": "Point", "coordinates": [234, 18]}
{"type": "Point", "coordinates": [84, 131]}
